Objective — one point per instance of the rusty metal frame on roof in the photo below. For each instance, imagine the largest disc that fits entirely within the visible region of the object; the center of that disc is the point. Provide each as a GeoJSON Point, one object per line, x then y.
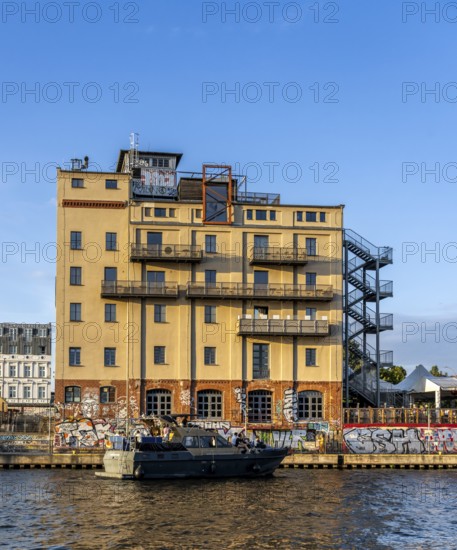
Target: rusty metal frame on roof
{"type": "Point", "coordinates": [217, 174]}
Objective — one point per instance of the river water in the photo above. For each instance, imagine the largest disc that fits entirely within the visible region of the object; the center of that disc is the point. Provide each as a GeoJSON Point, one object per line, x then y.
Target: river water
{"type": "Point", "coordinates": [68, 509]}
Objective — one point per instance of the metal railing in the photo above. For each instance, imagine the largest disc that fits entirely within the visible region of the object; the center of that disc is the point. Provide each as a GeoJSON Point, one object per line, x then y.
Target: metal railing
{"type": "Point", "coordinates": [280, 255]}
{"type": "Point", "coordinates": [384, 253]}
{"type": "Point", "coordinates": [391, 416]}
{"type": "Point", "coordinates": [139, 289]}
{"type": "Point", "coordinates": [166, 252]}
{"type": "Point", "coordinates": [258, 198]}
{"type": "Point", "coordinates": [281, 327]}
{"type": "Point", "coordinates": [253, 290]}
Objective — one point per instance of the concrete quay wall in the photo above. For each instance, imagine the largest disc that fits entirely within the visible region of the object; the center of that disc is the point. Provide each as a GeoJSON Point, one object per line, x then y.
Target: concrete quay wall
{"type": "Point", "coordinates": [320, 461]}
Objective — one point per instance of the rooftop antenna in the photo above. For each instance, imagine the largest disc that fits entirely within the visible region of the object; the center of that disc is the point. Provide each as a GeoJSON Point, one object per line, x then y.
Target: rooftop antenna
{"type": "Point", "coordinates": [133, 153]}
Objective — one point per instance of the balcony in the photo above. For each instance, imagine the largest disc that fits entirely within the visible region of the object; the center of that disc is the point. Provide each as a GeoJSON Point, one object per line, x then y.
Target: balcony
{"type": "Point", "coordinates": [246, 291]}
{"type": "Point", "coordinates": [166, 253]}
{"type": "Point", "coordinates": [277, 255]}
{"type": "Point", "coordinates": [133, 289]}
{"type": "Point", "coordinates": [282, 327]}
{"type": "Point", "coordinates": [258, 198]}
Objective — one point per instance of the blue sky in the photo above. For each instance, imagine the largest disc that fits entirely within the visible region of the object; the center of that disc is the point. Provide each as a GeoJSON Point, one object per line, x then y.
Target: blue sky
{"type": "Point", "coordinates": [160, 69]}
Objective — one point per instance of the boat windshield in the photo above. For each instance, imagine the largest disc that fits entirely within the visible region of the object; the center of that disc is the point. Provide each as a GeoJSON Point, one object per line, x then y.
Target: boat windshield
{"type": "Point", "coordinates": [221, 442]}
{"type": "Point", "coordinates": [207, 441]}
{"type": "Point", "coordinates": [190, 441]}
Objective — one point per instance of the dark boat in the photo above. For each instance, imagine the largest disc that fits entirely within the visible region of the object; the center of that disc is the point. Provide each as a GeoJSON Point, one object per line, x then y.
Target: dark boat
{"type": "Point", "coordinates": [192, 453]}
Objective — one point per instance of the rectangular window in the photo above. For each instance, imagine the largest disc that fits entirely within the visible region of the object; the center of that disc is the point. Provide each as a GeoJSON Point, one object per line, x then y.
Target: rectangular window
{"type": "Point", "coordinates": [110, 184]}
{"type": "Point", "coordinates": [311, 216]}
{"type": "Point", "coordinates": [311, 313]}
{"type": "Point", "coordinates": [210, 243]}
{"type": "Point", "coordinates": [75, 356]}
{"type": "Point", "coordinates": [210, 276]}
{"type": "Point", "coordinates": [310, 357]}
{"type": "Point", "coordinates": [260, 364]}
{"type": "Point", "coordinates": [108, 394]}
{"type": "Point", "coordinates": [160, 212]}
{"type": "Point", "coordinates": [261, 215]}
{"type": "Point", "coordinates": [159, 355]}
{"type": "Point", "coordinates": [41, 392]}
{"type": "Point", "coordinates": [72, 394]}
{"type": "Point", "coordinates": [27, 349]}
{"type": "Point", "coordinates": [172, 212]}
{"type": "Point", "coordinates": [110, 357]}
{"type": "Point", "coordinates": [27, 371]}
{"type": "Point", "coordinates": [260, 277]}
{"type": "Point", "coordinates": [111, 274]}
{"type": "Point", "coordinates": [160, 313]}
{"type": "Point", "coordinates": [210, 356]}
{"type": "Point", "coordinates": [273, 215]}
{"type": "Point", "coordinates": [42, 332]}
{"type": "Point", "coordinates": [311, 246]}
{"type": "Point", "coordinates": [77, 182]}
{"type": "Point", "coordinates": [110, 313]}
{"type": "Point", "coordinates": [13, 348]}
{"type": "Point", "coordinates": [249, 214]}
{"type": "Point", "coordinates": [75, 275]}
{"type": "Point", "coordinates": [42, 371]}
{"type": "Point", "coordinates": [210, 314]}
{"type": "Point", "coordinates": [75, 240]}
{"type": "Point", "coordinates": [13, 370]}
{"type": "Point", "coordinates": [147, 212]}
{"type": "Point", "coordinates": [75, 312]}
{"type": "Point", "coordinates": [198, 213]}
{"type": "Point", "coordinates": [155, 277]}
{"type": "Point", "coordinates": [28, 332]}
{"type": "Point", "coordinates": [311, 279]}
{"type": "Point", "coordinates": [111, 241]}
{"type": "Point", "coordinates": [160, 162]}
{"type": "Point", "coordinates": [12, 392]}
{"type": "Point", "coordinates": [299, 216]}
{"type": "Point", "coordinates": [26, 392]}
{"type": "Point", "coordinates": [322, 216]}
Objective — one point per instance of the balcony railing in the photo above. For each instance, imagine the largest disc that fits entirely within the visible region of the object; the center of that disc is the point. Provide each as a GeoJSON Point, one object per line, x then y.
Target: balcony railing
{"type": "Point", "coordinates": [241, 291]}
{"type": "Point", "coordinates": [258, 198]}
{"type": "Point", "coordinates": [283, 327]}
{"type": "Point", "coordinates": [396, 416]}
{"type": "Point", "coordinates": [278, 255]}
{"type": "Point", "coordinates": [166, 252]}
{"type": "Point", "coordinates": [126, 289]}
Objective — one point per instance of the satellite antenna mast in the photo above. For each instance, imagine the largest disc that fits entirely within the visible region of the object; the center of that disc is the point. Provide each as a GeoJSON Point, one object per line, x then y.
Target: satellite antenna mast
{"type": "Point", "coordinates": [133, 153]}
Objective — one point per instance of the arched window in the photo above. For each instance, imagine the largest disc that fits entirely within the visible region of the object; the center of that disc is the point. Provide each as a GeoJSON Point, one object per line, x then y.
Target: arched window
{"type": "Point", "coordinates": [209, 404]}
{"type": "Point", "coordinates": [72, 394]}
{"type": "Point", "coordinates": [158, 402]}
{"type": "Point", "coordinates": [259, 406]}
{"type": "Point", "coordinates": [310, 405]}
{"type": "Point", "coordinates": [107, 394]}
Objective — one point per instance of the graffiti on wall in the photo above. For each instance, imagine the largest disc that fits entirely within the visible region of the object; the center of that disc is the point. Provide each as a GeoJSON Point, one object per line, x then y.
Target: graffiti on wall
{"type": "Point", "coordinates": [290, 409]}
{"type": "Point", "coordinates": [389, 440]}
{"type": "Point", "coordinates": [83, 432]}
{"type": "Point", "coordinates": [186, 398]}
{"type": "Point", "coordinates": [240, 396]}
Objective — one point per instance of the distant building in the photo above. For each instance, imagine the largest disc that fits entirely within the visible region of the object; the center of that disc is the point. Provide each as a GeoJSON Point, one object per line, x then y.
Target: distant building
{"type": "Point", "coordinates": [25, 365]}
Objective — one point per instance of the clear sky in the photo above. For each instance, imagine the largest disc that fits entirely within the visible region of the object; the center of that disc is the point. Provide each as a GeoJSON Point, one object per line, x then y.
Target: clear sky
{"type": "Point", "coordinates": [331, 103]}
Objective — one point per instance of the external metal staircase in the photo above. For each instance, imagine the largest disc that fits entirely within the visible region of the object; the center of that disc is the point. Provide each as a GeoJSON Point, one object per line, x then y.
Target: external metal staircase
{"type": "Point", "coordinates": [362, 264]}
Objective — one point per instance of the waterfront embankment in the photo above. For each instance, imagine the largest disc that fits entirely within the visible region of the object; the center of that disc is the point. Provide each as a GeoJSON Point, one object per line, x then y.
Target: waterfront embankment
{"type": "Point", "coordinates": [94, 460]}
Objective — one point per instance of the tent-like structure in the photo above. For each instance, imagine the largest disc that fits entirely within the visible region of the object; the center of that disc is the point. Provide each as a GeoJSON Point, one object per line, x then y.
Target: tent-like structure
{"type": "Point", "coordinates": [420, 384]}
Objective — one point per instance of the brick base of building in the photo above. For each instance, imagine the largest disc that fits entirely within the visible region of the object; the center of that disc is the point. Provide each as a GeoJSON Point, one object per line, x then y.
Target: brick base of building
{"type": "Point", "coordinates": [184, 398]}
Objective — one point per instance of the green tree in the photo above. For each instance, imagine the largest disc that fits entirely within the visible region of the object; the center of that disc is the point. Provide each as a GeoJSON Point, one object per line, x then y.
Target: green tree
{"type": "Point", "coordinates": [355, 362]}
{"type": "Point", "coordinates": [394, 374]}
{"type": "Point", "coordinates": [435, 371]}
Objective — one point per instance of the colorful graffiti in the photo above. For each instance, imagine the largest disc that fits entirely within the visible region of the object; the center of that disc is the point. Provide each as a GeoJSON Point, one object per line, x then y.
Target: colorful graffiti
{"type": "Point", "coordinates": [83, 432]}
{"type": "Point", "coordinates": [290, 409]}
{"type": "Point", "coordinates": [402, 440]}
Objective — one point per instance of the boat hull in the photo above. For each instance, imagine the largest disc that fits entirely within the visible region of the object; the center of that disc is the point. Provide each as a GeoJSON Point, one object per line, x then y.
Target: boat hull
{"type": "Point", "coordinates": [184, 464]}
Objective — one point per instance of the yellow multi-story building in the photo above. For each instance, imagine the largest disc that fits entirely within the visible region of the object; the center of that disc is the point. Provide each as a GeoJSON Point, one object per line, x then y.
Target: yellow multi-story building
{"type": "Point", "coordinates": [180, 293]}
